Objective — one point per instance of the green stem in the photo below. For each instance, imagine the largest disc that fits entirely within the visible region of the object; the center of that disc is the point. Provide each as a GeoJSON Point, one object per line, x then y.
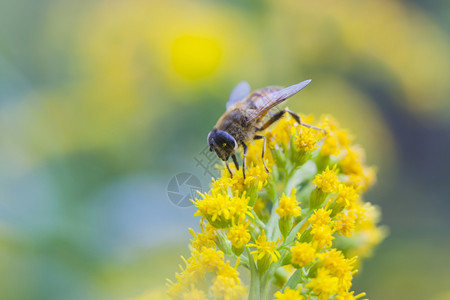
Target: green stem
{"type": "Point", "coordinates": [272, 222]}
{"type": "Point", "coordinates": [293, 280]}
{"type": "Point", "coordinates": [293, 233]}
{"type": "Point", "coordinates": [266, 281]}
{"type": "Point", "coordinates": [254, 278]}
{"type": "Point", "coordinates": [257, 220]}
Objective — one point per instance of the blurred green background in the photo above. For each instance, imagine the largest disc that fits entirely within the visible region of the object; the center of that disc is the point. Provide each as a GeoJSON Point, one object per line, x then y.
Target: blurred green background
{"type": "Point", "coordinates": [103, 102]}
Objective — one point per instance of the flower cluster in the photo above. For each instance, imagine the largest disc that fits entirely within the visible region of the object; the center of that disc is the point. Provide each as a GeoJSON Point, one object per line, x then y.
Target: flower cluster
{"type": "Point", "coordinates": [298, 232]}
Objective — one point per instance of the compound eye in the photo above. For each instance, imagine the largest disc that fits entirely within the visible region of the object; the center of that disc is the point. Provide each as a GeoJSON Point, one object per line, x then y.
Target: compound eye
{"type": "Point", "coordinates": [225, 140]}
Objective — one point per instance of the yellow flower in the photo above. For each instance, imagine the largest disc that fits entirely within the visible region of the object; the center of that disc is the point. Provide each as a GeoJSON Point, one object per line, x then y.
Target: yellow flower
{"type": "Point", "coordinates": [254, 155]}
{"type": "Point", "coordinates": [239, 235]}
{"type": "Point", "coordinates": [340, 267]}
{"type": "Point", "coordinates": [229, 271]}
{"type": "Point", "coordinates": [227, 288]}
{"type": "Point", "coordinates": [344, 138]}
{"type": "Point", "coordinates": [349, 296]}
{"type": "Point", "coordinates": [221, 210]}
{"type": "Point", "coordinates": [322, 236]}
{"type": "Point", "coordinates": [280, 134]}
{"type": "Point", "coordinates": [229, 222]}
{"type": "Point", "coordinates": [336, 138]}
{"type": "Point", "coordinates": [351, 163]}
{"type": "Point", "coordinates": [289, 294]}
{"type": "Point", "coordinates": [302, 254]}
{"type": "Point", "coordinates": [305, 139]}
{"type": "Point", "coordinates": [347, 195]}
{"type": "Point", "coordinates": [288, 206]}
{"type": "Point", "coordinates": [201, 261]}
{"type": "Point", "coordinates": [328, 123]}
{"type": "Point", "coordinates": [227, 284]}
{"type": "Point", "coordinates": [208, 259]}
{"type": "Point", "coordinates": [255, 178]}
{"type": "Point", "coordinates": [194, 294]}
{"type": "Point", "coordinates": [205, 238]}
{"type": "Point", "coordinates": [221, 185]}
{"type": "Point", "coordinates": [265, 248]}
{"type": "Point", "coordinates": [320, 217]}
{"type": "Point", "coordinates": [344, 224]}
{"type": "Point", "coordinates": [327, 181]}
{"type": "Point", "coordinates": [329, 146]}
{"type": "Point", "coordinates": [323, 285]}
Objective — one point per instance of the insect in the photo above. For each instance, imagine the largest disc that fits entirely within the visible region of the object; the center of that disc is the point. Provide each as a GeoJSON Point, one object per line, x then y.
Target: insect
{"type": "Point", "coordinates": [244, 120]}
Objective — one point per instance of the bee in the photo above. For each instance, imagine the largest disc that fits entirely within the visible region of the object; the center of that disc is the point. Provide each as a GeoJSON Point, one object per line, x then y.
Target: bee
{"type": "Point", "coordinates": [244, 120]}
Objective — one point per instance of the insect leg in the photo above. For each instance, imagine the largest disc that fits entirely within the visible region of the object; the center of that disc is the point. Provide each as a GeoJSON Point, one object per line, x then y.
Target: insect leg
{"type": "Point", "coordinates": [228, 167]}
{"type": "Point", "coordinates": [235, 161]}
{"type": "Point", "coordinates": [258, 137]}
{"type": "Point", "coordinates": [272, 120]}
{"type": "Point", "coordinates": [298, 120]}
{"type": "Point", "coordinates": [243, 160]}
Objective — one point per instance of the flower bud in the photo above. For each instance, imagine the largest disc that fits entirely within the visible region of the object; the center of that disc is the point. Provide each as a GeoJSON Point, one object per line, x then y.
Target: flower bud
{"type": "Point", "coordinates": [317, 198]}
{"type": "Point", "coordinates": [285, 225]}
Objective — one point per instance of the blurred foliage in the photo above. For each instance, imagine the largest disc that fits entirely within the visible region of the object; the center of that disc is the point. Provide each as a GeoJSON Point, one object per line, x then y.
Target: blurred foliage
{"type": "Point", "coordinates": [102, 102]}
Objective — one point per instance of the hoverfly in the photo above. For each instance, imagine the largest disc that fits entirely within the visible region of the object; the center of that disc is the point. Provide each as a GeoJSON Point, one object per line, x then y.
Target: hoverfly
{"type": "Point", "coordinates": [244, 119]}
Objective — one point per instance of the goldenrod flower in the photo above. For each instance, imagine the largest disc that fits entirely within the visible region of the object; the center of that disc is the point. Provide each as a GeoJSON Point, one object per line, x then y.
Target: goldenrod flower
{"type": "Point", "coordinates": [336, 140]}
{"type": "Point", "coordinates": [327, 181]}
{"type": "Point", "coordinates": [289, 294]}
{"type": "Point", "coordinates": [239, 235]}
{"type": "Point", "coordinates": [320, 217]}
{"type": "Point", "coordinates": [302, 254]}
{"type": "Point", "coordinates": [347, 195]}
{"type": "Point", "coordinates": [349, 296]}
{"type": "Point", "coordinates": [330, 146]}
{"type": "Point", "coordinates": [351, 163]}
{"type": "Point", "coordinates": [265, 248]}
{"type": "Point", "coordinates": [344, 138]}
{"type": "Point", "coordinates": [323, 285]}
{"type": "Point", "coordinates": [296, 240]}
{"type": "Point", "coordinates": [345, 224]}
{"type": "Point", "coordinates": [305, 139]}
{"type": "Point", "coordinates": [205, 238]}
{"type": "Point", "coordinates": [227, 288]}
{"type": "Point", "coordinates": [340, 267]}
{"type": "Point", "coordinates": [281, 134]}
{"type": "Point", "coordinates": [222, 210]}
{"type": "Point", "coordinates": [288, 206]}
{"type": "Point", "coordinates": [322, 236]}
{"type": "Point", "coordinates": [208, 259]}
{"type": "Point", "coordinates": [194, 294]}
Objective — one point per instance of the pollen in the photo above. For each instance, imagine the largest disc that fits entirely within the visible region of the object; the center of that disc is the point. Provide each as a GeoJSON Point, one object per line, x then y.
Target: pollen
{"type": "Point", "coordinates": [288, 206]}
{"type": "Point", "coordinates": [306, 138]}
{"type": "Point", "coordinates": [347, 195]}
{"type": "Point", "coordinates": [320, 217]}
{"type": "Point", "coordinates": [302, 254]}
{"type": "Point", "coordinates": [239, 235]}
{"type": "Point", "coordinates": [327, 181]}
{"type": "Point", "coordinates": [289, 294]}
{"type": "Point", "coordinates": [222, 210]}
{"type": "Point", "coordinates": [323, 285]}
{"type": "Point", "coordinates": [265, 248]}
{"type": "Point", "coordinates": [322, 236]}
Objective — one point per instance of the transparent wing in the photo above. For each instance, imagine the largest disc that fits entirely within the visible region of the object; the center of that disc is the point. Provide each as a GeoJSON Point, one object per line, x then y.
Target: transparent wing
{"type": "Point", "coordinates": [240, 91]}
{"type": "Point", "coordinates": [265, 103]}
